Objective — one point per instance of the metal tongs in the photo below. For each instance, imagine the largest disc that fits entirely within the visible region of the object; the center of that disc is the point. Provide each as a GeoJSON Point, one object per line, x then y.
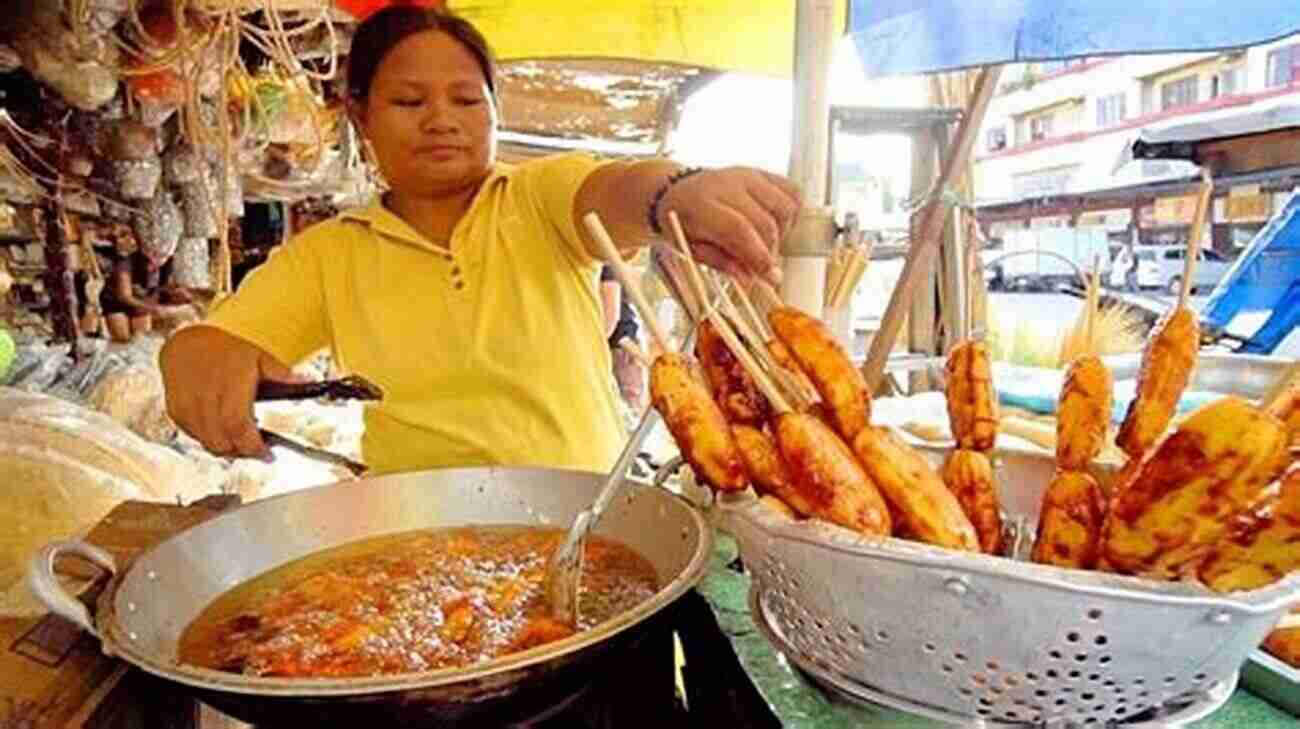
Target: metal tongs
{"type": "Point", "coordinates": [353, 387]}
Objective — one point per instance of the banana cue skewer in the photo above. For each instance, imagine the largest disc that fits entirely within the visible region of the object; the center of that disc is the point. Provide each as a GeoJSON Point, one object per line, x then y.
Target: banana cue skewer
{"type": "Point", "coordinates": [694, 419]}
{"type": "Point", "coordinates": [1070, 520]}
{"type": "Point", "coordinates": [973, 419]}
{"type": "Point", "coordinates": [819, 466]}
{"type": "Point", "coordinates": [1169, 355]}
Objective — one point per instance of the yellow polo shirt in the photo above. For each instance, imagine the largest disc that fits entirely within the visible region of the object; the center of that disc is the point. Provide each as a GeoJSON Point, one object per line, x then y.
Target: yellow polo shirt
{"type": "Point", "coordinates": [490, 349]}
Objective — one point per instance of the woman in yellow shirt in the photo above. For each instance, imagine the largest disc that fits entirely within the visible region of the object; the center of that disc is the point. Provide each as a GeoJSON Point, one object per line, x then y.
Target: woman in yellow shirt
{"type": "Point", "coordinates": [468, 291]}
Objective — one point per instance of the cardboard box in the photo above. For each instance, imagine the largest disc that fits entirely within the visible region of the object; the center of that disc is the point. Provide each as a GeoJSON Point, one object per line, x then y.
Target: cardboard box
{"type": "Point", "coordinates": [53, 675]}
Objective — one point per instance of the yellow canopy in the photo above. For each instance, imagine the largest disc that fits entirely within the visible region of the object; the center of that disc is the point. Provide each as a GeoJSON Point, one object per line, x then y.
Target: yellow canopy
{"type": "Point", "coordinates": [747, 36]}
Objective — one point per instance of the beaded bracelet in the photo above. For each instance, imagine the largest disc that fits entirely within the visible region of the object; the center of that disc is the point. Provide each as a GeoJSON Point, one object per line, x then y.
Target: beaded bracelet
{"type": "Point", "coordinates": [676, 177]}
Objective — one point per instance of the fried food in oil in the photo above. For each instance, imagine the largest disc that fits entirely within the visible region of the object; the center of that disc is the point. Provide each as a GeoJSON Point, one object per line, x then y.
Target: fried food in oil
{"type": "Point", "coordinates": [1284, 645]}
{"type": "Point", "coordinates": [839, 383]}
{"type": "Point", "coordinates": [925, 505]}
{"type": "Point", "coordinates": [824, 471]}
{"type": "Point", "coordinates": [767, 470]}
{"type": "Point", "coordinates": [697, 424]}
{"type": "Point", "coordinates": [1167, 363]}
{"type": "Point", "coordinates": [1181, 498]}
{"type": "Point", "coordinates": [972, 402]}
{"type": "Point", "coordinates": [1286, 407]}
{"type": "Point", "coordinates": [969, 475]}
{"type": "Point", "coordinates": [1070, 522]}
{"type": "Point", "coordinates": [1083, 413]}
{"type": "Point", "coordinates": [1260, 548]}
{"type": "Point", "coordinates": [732, 387]}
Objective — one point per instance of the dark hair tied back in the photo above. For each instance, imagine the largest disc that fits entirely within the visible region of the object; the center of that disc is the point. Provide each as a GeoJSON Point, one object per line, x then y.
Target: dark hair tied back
{"type": "Point", "coordinates": [383, 30]}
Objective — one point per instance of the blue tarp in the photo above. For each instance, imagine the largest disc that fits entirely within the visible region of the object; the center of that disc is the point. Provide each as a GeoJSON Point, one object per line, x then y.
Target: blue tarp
{"type": "Point", "coordinates": [901, 37]}
{"type": "Point", "coordinates": [1266, 277]}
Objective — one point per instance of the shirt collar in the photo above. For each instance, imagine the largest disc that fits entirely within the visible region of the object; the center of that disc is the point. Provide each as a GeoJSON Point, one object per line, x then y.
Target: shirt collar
{"type": "Point", "coordinates": [385, 222]}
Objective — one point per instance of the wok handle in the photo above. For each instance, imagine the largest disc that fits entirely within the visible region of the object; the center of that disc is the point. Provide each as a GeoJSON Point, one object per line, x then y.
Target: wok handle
{"type": "Point", "coordinates": [45, 586]}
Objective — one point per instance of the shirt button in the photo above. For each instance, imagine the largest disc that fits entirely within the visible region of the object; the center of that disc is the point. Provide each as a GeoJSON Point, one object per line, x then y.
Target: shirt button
{"type": "Point", "coordinates": [459, 285]}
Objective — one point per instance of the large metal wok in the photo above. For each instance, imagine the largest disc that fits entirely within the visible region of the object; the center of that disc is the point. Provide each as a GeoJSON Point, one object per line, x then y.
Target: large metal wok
{"type": "Point", "coordinates": [141, 614]}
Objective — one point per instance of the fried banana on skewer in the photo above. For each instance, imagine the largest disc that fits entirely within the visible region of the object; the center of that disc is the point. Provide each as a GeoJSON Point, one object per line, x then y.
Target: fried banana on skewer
{"type": "Point", "coordinates": [825, 473]}
{"type": "Point", "coordinates": [696, 423]}
{"type": "Point", "coordinates": [1069, 525]}
{"type": "Point", "coordinates": [1167, 363]}
{"type": "Point", "coordinates": [1182, 496]}
{"type": "Point", "coordinates": [732, 387]}
{"type": "Point", "coordinates": [1286, 407]}
{"type": "Point", "coordinates": [924, 504]}
{"type": "Point", "coordinates": [767, 469]}
{"type": "Point", "coordinates": [1284, 644]}
{"type": "Point", "coordinates": [777, 506]}
{"type": "Point", "coordinates": [839, 383]}
{"type": "Point", "coordinates": [972, 402]}
{"type": "Point", "coordinates": [1083, 413]}
{"type": "Point", "coordinates": [969, 475]}
{"type": "Point", "coordinates": [1261, 548]}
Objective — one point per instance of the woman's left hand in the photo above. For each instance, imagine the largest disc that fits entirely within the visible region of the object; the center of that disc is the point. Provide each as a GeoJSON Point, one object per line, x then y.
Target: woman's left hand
{"type": "Point", "coordinates": [734, 217]}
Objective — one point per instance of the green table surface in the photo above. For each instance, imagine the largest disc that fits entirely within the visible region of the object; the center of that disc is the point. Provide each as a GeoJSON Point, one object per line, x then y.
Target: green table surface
{"type": "Point", "coordinates": [800, 704]}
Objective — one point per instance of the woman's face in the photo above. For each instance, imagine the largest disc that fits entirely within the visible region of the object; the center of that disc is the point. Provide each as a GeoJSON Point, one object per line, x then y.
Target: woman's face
{"type": "Point", "coordinates": [429, 116]}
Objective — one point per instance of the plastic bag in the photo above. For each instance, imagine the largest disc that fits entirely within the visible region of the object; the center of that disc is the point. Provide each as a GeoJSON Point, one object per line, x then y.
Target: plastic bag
{"type": "Point", "coordinates": [200, 210]}
{"type": "Point", "coordinates": [158, 228]}
{"type": "Point", "coordinates": [182, 164]}
{"type": "Point", "coordinates": [65, 466]}
{"type": "Point", "coordinates": [85, 77]}
{"type": "Point", "coordinates": [137, 179]}
{"type": "Point", "coordinates": [192, 264]}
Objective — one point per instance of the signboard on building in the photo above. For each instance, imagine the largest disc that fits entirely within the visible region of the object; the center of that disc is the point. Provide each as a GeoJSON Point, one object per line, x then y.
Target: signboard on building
{"type": "Point", "coordinates": [1147, 216]}
{"type": "Point", "coordinates": [1248, 208]}
{"type": "Point", "coordinates": [1175, 210]}
{"type": "Point", "coordinates": [997, 230]}
{"type": "Point", "coordinates": [1050, 221]}
{"type": "Point", "coordinates": [1118, 219]}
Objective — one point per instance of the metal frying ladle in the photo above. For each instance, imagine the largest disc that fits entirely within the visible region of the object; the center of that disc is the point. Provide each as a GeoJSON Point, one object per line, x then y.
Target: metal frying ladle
{"type": "Point", "coordinates": [564, 570]}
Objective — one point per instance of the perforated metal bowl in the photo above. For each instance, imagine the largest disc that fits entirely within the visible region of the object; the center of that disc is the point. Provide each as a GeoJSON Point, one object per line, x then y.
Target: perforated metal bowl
{"type": "Point", "coordinates": [976, 638]}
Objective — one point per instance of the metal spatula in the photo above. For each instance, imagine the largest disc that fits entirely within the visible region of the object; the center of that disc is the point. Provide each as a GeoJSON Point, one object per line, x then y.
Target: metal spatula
{"type": "Point", "coordinates": [564, 570]}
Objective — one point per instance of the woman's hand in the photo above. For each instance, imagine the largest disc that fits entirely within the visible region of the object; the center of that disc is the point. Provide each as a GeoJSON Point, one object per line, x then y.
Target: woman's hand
{"type": "Point", "coordinates": [210, 378]}
{"type": "Point", "coordinates": [734, 217]}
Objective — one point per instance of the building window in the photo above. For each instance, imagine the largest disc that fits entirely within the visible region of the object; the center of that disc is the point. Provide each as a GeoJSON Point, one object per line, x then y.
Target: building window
{"type": "Point", "coordinates": [1110, 110]}
{"type": "Point", "coordinates": [996, 139]}
{"type": "Point", "coordinates": [1040, 128]}
{"type": "Point", "coordinates": [1283, 66]}
{"type": "Point", "coordinates": [1228, 82]}
{"type": "Point", "coordinates": [1178, 93]}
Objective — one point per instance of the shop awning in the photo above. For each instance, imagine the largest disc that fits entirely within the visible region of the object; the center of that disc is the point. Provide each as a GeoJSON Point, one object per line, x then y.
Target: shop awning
{"type": "Point", "coordinates": [745, 36]}
{"type": "Point", "coordinates": [901, 37]}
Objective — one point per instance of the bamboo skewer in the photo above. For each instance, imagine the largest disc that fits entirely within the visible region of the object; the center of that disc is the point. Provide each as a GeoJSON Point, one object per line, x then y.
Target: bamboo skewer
{"type": "Point", "coordinates": [1194, 243]}
{"type": "Point", "coordinates": [1094, 301]}
{"type": "Point", "coordinates": [628, 279]}
{"type": "Point", "coordinates": [627, 345]}
{"type": "Point", "coordinates": [723, 327]}
{"type": "Point", "coordinates": [756, 318]}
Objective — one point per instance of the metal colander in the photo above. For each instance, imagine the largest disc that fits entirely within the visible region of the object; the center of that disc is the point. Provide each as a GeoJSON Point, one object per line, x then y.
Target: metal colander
{"type": "Point", "coordinates": [970, 637]}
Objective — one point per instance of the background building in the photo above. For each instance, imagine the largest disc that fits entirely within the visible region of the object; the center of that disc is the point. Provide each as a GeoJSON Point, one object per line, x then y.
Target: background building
{"type": "Point", "coordinates": [1047, 153]}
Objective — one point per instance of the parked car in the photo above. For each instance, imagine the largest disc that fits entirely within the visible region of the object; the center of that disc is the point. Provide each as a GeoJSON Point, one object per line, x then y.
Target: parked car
{"type": "Point", "coordinates": [1161, 267]}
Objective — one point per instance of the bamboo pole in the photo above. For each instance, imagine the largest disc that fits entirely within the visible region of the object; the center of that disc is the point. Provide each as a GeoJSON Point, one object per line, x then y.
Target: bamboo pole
{"type": "Point", "coordinates": [920, 258]}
